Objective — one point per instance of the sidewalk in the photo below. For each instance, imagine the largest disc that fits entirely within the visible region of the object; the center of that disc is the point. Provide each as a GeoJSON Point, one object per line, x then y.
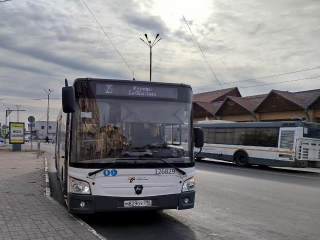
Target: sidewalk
{"type": "Point", "coordinates": [25, 211]}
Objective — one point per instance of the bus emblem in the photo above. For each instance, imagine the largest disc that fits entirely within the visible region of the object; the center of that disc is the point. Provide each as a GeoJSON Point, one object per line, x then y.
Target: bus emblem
{"type": "Point", "coordinates": [138, 189]}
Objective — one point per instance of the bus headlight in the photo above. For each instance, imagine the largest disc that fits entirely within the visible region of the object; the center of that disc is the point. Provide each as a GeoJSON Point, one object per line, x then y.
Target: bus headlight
{"type": "Point", "coordinates": [188, 185]}
{"type": "Point", "coordinates": [78, 186]}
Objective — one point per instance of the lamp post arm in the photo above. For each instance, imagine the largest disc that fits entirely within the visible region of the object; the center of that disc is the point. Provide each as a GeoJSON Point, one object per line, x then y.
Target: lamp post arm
{"type": "Point", "coordinates": [156, 42]}
{"type": "Point", "coordinates": [144, 42]}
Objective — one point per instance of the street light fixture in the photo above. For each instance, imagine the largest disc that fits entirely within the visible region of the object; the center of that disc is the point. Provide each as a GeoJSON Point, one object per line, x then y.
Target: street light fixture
{"type": "Point", "coordinates": [150, 45]}
{"type": "Point", "coordinates": [48, 93]}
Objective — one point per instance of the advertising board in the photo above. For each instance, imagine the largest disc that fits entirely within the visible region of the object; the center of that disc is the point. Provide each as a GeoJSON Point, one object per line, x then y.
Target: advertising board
{"type": "Point", "coordinates": [16, 135]}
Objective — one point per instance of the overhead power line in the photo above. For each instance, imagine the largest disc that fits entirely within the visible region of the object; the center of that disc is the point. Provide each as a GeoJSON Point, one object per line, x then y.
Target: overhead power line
{"type": "Point", "coordinates": [204, 57]}
{"type": "Point", "coordinates": [33, 99]}
{"type": "Point", "coordinates": [4, 104]}
{"type": "Point", "coordinates": [108, 37]}
{"type": "Point", "coordinates": [254, 79]}
{"type": "Point", "coordinates": [42, 117]}
{"type": "Point", "coordinates": [294, 80]}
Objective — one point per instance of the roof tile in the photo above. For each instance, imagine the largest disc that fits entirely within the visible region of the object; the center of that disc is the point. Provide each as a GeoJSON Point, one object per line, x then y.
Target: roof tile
{"type": "Point", "coordinates": [210, 107]}
{"type": "Point", "coordinates": [213, 95]}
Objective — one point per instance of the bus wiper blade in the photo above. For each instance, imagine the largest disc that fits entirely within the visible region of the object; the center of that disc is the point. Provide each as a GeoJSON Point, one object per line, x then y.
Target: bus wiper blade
{"type": "Point", "coordinates": [104, 168]}
{"type": "Point", "coordinates": [176, 168]}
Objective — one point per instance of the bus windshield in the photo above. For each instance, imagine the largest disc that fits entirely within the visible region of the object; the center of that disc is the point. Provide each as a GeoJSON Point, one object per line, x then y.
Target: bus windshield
{"type": "Point", "coordinates": [109, 129]}
{"type": "Point", "coordinates": [311, 130]}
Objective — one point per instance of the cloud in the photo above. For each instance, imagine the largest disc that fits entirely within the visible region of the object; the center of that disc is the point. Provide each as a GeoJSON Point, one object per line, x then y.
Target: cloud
{"type": "Point", "coordinates": [42, 42]}
{"type": "Point", "coordinates": [146, 23]}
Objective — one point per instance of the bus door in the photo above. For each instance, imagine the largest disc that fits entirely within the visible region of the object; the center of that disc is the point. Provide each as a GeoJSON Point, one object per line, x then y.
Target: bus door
{"type": "Point", "coordinates": [286, 147]}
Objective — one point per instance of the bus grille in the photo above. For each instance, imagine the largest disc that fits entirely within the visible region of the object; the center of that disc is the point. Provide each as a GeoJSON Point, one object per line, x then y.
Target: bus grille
{"type": "Point", "coordinates": [309, 150]}
{"type": "Point", "coordinates": [303, 153]}
{"type": "Point", "coordinates": [287, 139]}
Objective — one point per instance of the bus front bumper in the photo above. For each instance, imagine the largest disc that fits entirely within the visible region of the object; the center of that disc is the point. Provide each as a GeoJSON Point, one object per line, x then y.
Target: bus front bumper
{"type": "Point", "coordinates": [87, 204]}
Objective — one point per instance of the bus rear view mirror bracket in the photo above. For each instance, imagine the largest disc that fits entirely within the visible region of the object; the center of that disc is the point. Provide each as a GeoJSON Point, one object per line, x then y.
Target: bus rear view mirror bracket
{"type": "Point", "coordinates": [68, 99]}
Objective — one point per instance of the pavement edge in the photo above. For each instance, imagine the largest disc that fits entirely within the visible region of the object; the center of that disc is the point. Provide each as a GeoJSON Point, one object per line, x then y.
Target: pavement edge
{"type": "Point", "coordinates": [48, 195]}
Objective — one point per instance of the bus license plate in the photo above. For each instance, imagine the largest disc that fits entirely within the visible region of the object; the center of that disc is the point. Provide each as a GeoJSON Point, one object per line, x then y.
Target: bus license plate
{"type": "Point", "coordinates": [138, 203]}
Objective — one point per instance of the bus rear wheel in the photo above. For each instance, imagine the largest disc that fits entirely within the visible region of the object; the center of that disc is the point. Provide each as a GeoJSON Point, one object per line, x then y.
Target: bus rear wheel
{"type": "Point", "coordinates": [241, 159]}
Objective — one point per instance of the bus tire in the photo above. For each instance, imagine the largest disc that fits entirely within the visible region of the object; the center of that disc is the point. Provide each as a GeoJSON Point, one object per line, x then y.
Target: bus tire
{"type": "Point", "coordinates": [241, 159]}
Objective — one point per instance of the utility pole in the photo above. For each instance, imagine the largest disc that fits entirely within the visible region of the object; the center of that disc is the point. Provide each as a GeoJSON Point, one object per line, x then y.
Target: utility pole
{"type": "Point", "coordinates": [48, 93]}
{"type": "Point", "coordinates": [18, 106]}
{"type": "Point", "coordinates": [150, 46]}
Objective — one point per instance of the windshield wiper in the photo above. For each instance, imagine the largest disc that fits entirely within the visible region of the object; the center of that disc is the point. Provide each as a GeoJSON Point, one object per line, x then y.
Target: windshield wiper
{"type": "Point", "coordinates": [104, 168]}
{"type": "Point", "coordinates": [101, 169]}
{"type": "Point", "coordinates": [176, 168]}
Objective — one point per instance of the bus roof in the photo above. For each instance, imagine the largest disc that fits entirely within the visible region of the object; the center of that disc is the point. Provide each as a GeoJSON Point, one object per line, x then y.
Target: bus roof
{"type": "Point", "coordinates": [250, 124]}
{"type": "Point", "coordinates": [131, 82]}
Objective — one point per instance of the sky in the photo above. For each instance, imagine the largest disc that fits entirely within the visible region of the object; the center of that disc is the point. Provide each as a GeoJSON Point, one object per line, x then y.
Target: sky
{"type": "Point", "coordinates": [254, 45]}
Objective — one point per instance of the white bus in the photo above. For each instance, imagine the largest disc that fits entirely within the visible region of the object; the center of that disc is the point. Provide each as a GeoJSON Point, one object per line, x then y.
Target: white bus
{"type": "Point", "coordinates": [111, 149]}
{"type": "Point", "coordinates": [282, 144]}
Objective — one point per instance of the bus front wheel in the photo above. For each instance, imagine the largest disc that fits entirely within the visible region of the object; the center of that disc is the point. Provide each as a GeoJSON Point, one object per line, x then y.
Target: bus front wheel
{"type": "Point", "coordinates": [241, 159]}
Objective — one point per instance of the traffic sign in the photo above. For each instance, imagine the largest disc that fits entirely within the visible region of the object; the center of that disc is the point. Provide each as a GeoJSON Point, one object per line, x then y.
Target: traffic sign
{"type": "Point", "coordinates": [31, 119]}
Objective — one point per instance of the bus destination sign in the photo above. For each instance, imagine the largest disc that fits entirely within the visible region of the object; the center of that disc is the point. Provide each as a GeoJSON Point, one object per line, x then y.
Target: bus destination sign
{"type": "Point", "coordinates": [136, 91]}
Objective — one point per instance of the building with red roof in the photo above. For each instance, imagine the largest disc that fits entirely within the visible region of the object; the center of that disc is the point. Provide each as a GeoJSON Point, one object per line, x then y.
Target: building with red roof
{"type": "Point", "coordinates": [228, 104]}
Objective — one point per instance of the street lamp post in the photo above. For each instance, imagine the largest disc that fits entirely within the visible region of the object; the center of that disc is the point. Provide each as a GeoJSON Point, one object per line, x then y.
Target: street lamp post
{"type": "Point", "coordinates": [150, 46]}
{"type": "Point", "coordinates": [48, 93]}
{"type": "Point", "coordinates": [18, 106]}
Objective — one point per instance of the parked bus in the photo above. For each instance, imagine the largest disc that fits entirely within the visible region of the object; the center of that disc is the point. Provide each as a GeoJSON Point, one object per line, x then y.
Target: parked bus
{"type": "Point", "coordinates": [111, 148]}
{"type": "Point", "coordinates": [282, 144]}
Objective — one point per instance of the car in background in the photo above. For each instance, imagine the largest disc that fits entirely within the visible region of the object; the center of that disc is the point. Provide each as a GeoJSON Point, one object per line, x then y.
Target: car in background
{"type": "Point", "coordinates": [167, 150]}
{"type": "Point", "coordinates": [137, 152]}
{"type": "Point", "coordinates": [26, 139]}
{"type": "Point", "coordinates": [1, 140]}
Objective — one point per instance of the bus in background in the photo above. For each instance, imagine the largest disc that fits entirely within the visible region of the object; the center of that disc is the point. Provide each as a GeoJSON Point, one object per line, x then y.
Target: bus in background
{"type": "Point", "coordinates": [111, 148]}
{"type": "Point", "coordinates": [281, 144]}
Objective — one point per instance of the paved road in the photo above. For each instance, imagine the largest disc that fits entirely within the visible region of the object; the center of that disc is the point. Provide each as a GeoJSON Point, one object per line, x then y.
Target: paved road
{"type": "Point", "coordinates": [231, 203]}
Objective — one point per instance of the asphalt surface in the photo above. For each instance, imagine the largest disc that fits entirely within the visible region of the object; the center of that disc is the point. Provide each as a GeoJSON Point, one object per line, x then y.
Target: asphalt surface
{"type": "Point", "coordinates": [231, 203]}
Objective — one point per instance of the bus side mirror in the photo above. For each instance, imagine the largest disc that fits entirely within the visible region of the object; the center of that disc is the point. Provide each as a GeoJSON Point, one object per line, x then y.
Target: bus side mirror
{"type": "Point", "coordinates": [198, 137]}
{"type": "Point", "coordinates": [68, 99]}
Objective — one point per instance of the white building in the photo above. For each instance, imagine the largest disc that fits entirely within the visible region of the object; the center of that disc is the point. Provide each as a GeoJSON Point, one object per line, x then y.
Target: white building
{"type": "Point", "coordinates": [41, 129]}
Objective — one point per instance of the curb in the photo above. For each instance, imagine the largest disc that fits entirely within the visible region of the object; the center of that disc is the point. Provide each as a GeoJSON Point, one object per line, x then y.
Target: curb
{"type": "Point", "coordinates": [48, 195]}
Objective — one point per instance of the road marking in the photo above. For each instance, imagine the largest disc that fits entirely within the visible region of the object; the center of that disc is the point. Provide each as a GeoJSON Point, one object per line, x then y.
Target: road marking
{"type": "Point", "coordinates": [90, 229]}
{"type": "Point", "coordinates": [48, 195]}
{"type": "Point", "coordinates": [259, 171]}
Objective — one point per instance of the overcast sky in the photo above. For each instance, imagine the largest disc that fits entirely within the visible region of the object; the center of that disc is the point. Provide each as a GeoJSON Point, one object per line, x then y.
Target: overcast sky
{"type": "Point", "coordinates": [43, 42]}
